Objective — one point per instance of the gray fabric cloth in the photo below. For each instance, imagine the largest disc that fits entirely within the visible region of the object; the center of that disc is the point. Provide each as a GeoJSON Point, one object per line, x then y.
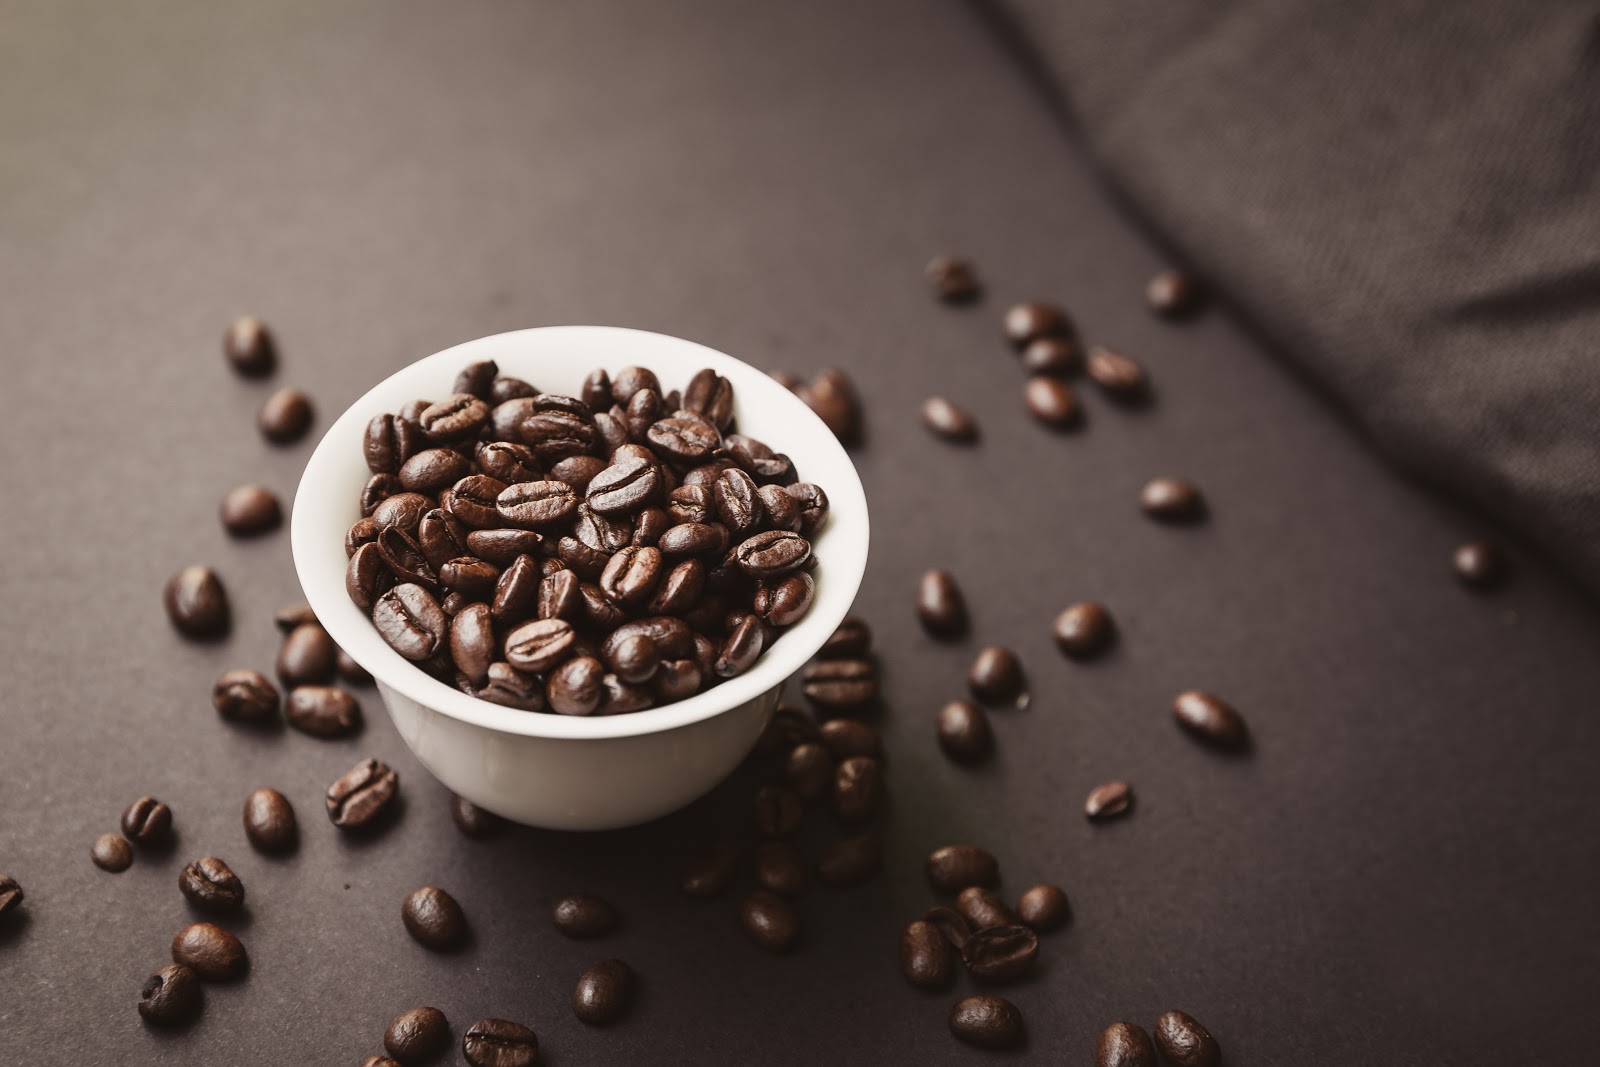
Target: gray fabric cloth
{"type": "Point", "coordinates": [1404, 196]}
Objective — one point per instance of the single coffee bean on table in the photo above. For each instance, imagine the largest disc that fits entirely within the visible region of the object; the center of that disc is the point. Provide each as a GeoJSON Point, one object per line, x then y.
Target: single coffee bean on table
{"type": "Point", "coordinates": [363, 796]}
{"type": "Point", "coordinates": [941, 607]}
{"type": "Point", "coordinates": [948, 421]}
{"type": "Point", "coordinates": [809, 769]}
{"type": "Point", "coordinates": [781, 867]}
{"type": "Point", "coordinates": [209, 884]}
{"type": "Point", "coordinates": [245, 696]}
{"type": "Point", "coordinates": [1059, 357]}
{"type": "Point", "coordinates": [1185, 1043]}
{"type": "Point", "coordinates": [840, 685]}
{"type": "Point", "coordinates": [473, 821]}
{"type": "Point", "coordinates": [269, 821]}
{"type": "Point", "coordinates": [851, 862]}
{"type": "Point", "coordinates": [500, 1043]}
{"type": "Point", "coordinates": [285, 417]}
{"type": "Point", "coordinates": [995, 676]}
{"type": "Point", "coordinates": [211, 952]}
{"type": "Point", "coordinates": [857, 788]}
{"type": "Point", "coordinates": [954, 280]}
{"type": "Point", "coordinates": [1172, 500]}
{"type": "Point", "coordinates": [1173, 294]}
{"type": "Point", "coordinates": [770, 921]}
{"type": "Point", "coordinates": [954, 867]}
{"type": "Point", "coordinates": [323, 711]}
{"type": "Point", "coordinates": [11, 894]}
{"type": "Point", "coordinates": [850, 737]}
{"type": "Point", "coordinates": [1119, 377]}
{"type": "Point", "coordinates": [711, 872]}
{"type": "Point", "coordinates": [248, 346]}
{"type": "Point", "coordinates": [1084, 630]}
{"type": "Point", "coordinates": [1027, 322]}
{"type": "Point", "coordinates": [1480, 564]}
{"type": "Point", "coordinates": [833, 397]}
{"type": "Point", "coordinates": [983, 909]}
{"type": "Point", "coordinates": [197, 604]}
{"type": "Point", "coordinates": [434, 919]}
{"type": "Point", "coordinates": [1044, 908]}
{"type": "Point", "coordinates": [418, 1036]}
{"type": "Point", "coordinates": [964, 732]}
{"type": "Point", "coordinates": [1052, 402]}
{"type": "Point", "coordinates": [1124, 1045]}
{"type": "Point", "coordinates": [925, 956]}
{"type": "Point", "coordinates": [147, 821]}
{"type": "Point", "coordinates": [987, 1022]}
{"type": "Point", "coordinates": [1108, 801]}
{"type": "Point", "coordinates": [289, 616]}
{"type": "Point", "coordinates": [111, 852]}
{"type": "Point", "coordinates": [307, 656]}
{"type": "Point", "coordinates": [998, 955]}
{"type": "Point", "coordinates": [584, 915]}
{"type": "Point", "coordinates": [250, 510]}
{"type": "Point", "coordinates": [603, 993]}
{"type": "Point", "coordinates": [171, 996]}
{"type": "Point", "coordinates": [1211, 719]}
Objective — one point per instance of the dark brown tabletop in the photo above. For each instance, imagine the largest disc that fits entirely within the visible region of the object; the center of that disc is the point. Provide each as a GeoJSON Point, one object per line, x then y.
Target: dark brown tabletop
{"type": "Point", "coordinates": [1402, 872]}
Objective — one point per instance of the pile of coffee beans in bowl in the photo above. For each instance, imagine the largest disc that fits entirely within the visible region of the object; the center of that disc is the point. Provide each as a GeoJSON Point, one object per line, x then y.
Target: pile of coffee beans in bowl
{"type": "Point", "coordinates": [588, 555]}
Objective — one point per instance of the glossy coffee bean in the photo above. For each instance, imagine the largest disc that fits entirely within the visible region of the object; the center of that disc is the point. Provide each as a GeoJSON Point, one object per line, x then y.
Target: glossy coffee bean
{"type": "Point", "coordinates": [1084, 630]}
{"type": "Point", "coordinates": [631, 576]}
{"type": "Point", "coordinates": [998, 955]}
{"type": "Point", "coordinates": [211, 952]}
{"type": "Point", "coordinates": [813, 506]}
{"type": "Point", "coordinates": [1109, 800]}
{"type": "Point", "coordinates": [1030, 321]}
{"type": "Point", "coordinates": [1124, 1045]}
{"type": "Point", "coordinates": [809, 770]}
{"type": "Point", "coordinates": [500, 1043]}
{"type": "Point", "coordinates": [987, 1022]}
{"type": "Point", "coordinates": [269, 821]}
{"type": "Point", "coordinates": [851, 861]}
{"type": "Point", "coordinates": [434, 469]}
{"type": "Point", "coordinates": [781, 867]}
{"type": "Point", "coordinates": [851, 640]}
{"type": "Point", "coordinates": [954, 867]}
{"type": "Point", "coordinates": [434, 919]}
{"type": "Point", "coordinates": [770, 921]}
{"type": "Point", "coordinates": [540, 645]}
{"type": "Point", "coordinates": [1119, 377]}
{"type": "Point", "coordinates": [850, 737]}
{"type": "Point", "coordinates": [925, 957]}
{"type": "Point", "coordinates": [1052, 402]}
{"type": "Point", "coordinates": [307, 656]}
{"type": "Point", "coordinates": [711, 872]}
{"type": "Point", "coordinates": [1211, 720]}
{"type": "Point", "coordinates": [964, 732]}
{"type": "Point", "coordinates": [196, 603]}
{"type": "Point", "coordinates": [1173, 294]}
{"type": "Point", "coordinates": [983, 909]}
{"type": "Point", "coordinates": [379, 487]}
{"type": "Point", "coordinates": [362, 796]}
{"type": "Point", "coordinates": [289, 616]}
{"type": "Point", "coordinates": [603, 993]}
{"type": "Point", "coordinates": [285, 417]}
{"type": "Point", "coordinates": [840, 684]}
{"type": "Point", "coordinates": [832, 396]}
{"type": "Point", "coordinates": [779, 811]}
{"type": "Point", "coordinates": [508, 687]}
{"type": "Point", "coordinates": [1172, 500]}
{"type": "Point", "coordinates": [857, 788]}
{"type": "Point", "coordinates": [787, 600]}
{"type": "Point", "coordinates": [403, 512]}
{"type": "Point", "coordinates": [954, 280]}
{"type": "Point", "coordinates": [739, 650]}
{"type": "Point", "coordinates": [1044, 908]}
{"type": "Point", "coordinates": [501, 547]}
{"type": "Point", "coordinates": [584, 915]}
{"type": "Point", "coordinates": [995, 676]}
{"type": "Point", "coordinates": [410, 620]}
{"type": "Point", "coordinates": [1058, 357]}
{"type": "Point", "coordinates": [1185, 1043]}
{"type": "Point", "coordinates": [472, 642]}
{"type": "Point", "coordinates": [250, 510]}
{"type": "Point", "coordinates": [458, 417]}
{"type": "Point", "coordinates": [473, 821]}
{"type": "Point", "coordinates": [209, 884]}
{"type": "Point", "coordinates": [772, 554]}
{"type": "Point", "coordinates": [417, 1036]}
{"type": "Point", "coordinates": [536, 504]}
{"type": "Point", "coordinates": [940, 605]}
{"type": "Point", "coordinates": [323, 711]}
{"type": "Point", "coordinates": [478, 379]}
{"type": "Point", "coordinates": [1480, 564]}
{"type": "Point", "coordinates": [577, 686]}
{"type": "Point", "coordinates": [147, 821]}
{"type": "Point", "coordinates": [249, 347]}
{"type": "Point", "coordinates": [948, 421]}
{"type": "Point", "coordinates": [171, 996]}
{"type": "Point", "coordinates": [245, 696]}
{"type": "Point", "coordinates": [11, 894]}
{"type": "Point", "coordinates": [111, 852]}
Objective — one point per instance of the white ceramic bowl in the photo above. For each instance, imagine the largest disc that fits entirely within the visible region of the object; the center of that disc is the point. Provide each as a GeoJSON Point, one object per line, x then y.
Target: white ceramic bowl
{"type": "Point", "coordinates": [558, 771]}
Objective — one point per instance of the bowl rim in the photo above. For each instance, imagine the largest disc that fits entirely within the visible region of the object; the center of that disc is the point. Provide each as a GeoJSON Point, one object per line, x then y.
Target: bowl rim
{"type": "Point", "coordinates": [318, 525]}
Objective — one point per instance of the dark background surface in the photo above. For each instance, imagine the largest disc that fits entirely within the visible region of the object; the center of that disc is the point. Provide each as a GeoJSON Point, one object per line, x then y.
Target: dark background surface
{"type": "Point", "coordinates": [1402, 872]}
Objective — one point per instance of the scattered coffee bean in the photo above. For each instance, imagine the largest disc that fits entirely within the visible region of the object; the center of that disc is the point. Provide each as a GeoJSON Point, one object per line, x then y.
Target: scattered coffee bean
{"type": "Point", "coordinates": [964, 732]}
{"type": "Point", "coordinates": [171, 996]}
{"type": "Point", "coordinates": [840, 684]}
{"type": "Point", "coordinates": [210, 885]}
{"type": "Point", "coordinates": [809, 770]}
{"type": "Point", "coordinates": [711, 872]}
{"type": "Point", "coordinates": [851, 640]}
{"type": "Point", "coordinates": [1124, 1045]}
{"type": "Point", "coordinates": [307, 656]}
{"type": "Point", "coordinates": [857, 788]}
{"type": "Point", "coordinates": [248, 346]}
{"type": "Point", "coordinates": [779, 811]}
{"type": "Point", "coordinates": [770, 921]}
{"type": "Point", "coordinates": [269, 821]}
{"type": "Point", "coordinates": [782, 867]}
{"type": "Point", "coordinates": [603, 993]}
{"type": "Point", "coordinates": [323, 711]}
{"type": "Point", "coordinates": [473, 821]}
{"type": "Point", "coordinates": [418, 1036]}
{"type": "Point", "coordinates": [434, 919]}
{"type": "Point", "coordinates": [940, 605]}
{"type": "Point", "coordinates": [1480, 564]}
{"type": "Point", "coordinates": [197, 604]}
{"type": "Point", "coordinates": [147, 821]}
{"type": "Point", "coordinates": [954, 280]}
{"type": "Point", "coordinates": [851, 862]}
{"type": "Point", "coordinates": [1109, 800]}
{"type": "Point", "coordinates": [1000, 954]}
{"type": "Point", "coordinates": [1056, 356]}
{"type": "Point", "coordinates": [850, 737]}
{"type": "Point", "coordinates": [832, 396]}
{"type": "Point", "coordinates": [1044, 907]}
{"type": "Point", "coordinates": [350, 672]}
{"type": "Point", "coordinates": [925, 957]}
{"type": "Point", "coordinates": [1119, 377]}
{"type": "Point", "coordinates": [995, 676]}
{"type": "Point", "coordinates": [360, 799]}
{"type": "Point", "coordinates": [245, 696]}
{"type": "Point", "coordinates": [1052, 402]}
{"type": "Point", "coordinates": [285, 417]}
{"type": "Point", "coordinates": [1173, 294]}
{"type": "Point", "coordinates": [951, 924]}
{"type": "Point", "coordinates": [211, 952]}
{"type": "Point", "coordinates": [983, 908]}
{"type": "Point", "coordinates": [1210, 719]}
{"type": "Point", "coordinates": [584, 915]}
{"type": "Point", "coordinates": [1028, 322]}
{"type": "Point", "coordinates": [949, 421]}
{"type": "Point", "coordinates": [10, 894]}
{"type": "Point", "coordinates": [291, 615]}
{"type": "Point", "coordinates": [499, 1043]}
{"type": "Point", "coordinates": [1084, 630]}
{"type": "Point", "coordinates": [1172, 500]}
{"type": "Point", "coordinates": [111, 852]}
{"type": "Point", "coordinates": [987, 1022]}
{"type": "Point", "coordinates": [954, 867]}
{"type": "Point", "coordinates": [250, 510]}
{"type": "Point", "coordinates": [1185, 1043]}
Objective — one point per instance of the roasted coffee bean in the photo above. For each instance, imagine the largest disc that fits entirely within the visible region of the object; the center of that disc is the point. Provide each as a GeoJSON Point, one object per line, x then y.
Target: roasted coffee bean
{"type": "Point", "coordinates": [508, 687]}
{"type": "Point", "coordinates": [987, 1022]}
{"type": "Point", "coordinates": [602, 533]}
{"type": "Point", "coordinates": [250, 510]}
{"type": "Point", "coordinates": [596, 391]}
{"type": "Point", "coordinates": [964, 732]}
{"type": "Point", "coordinates": [363, 531]}
{"type": "Point", "coordinates": [940, 605]}
{"type": "Point", "coordinates": [710, 873]}
{"type": "Point", "coordinates": [741, 647]}
{"type": "Point", "coordinates": [787, 600]}
{"type": "Point", "coordinates": [434, 919]}
{"type": "Point", "coordinates": [710, 394]}
{"type": "Point", "coordinates": [857, 788]}
{"type": "Point", "coordinates": [521, 589]}
{"type": "Point", "coordinates": [949, 421]}
{"type": "Point", "coordinates": [625, 486]}
{"type": "Point", "coordinates": [852, 861]}
{"type": "Point", "coordinates": [1121, 378]}
{"type": "Point", "coordinates": [833, 398]}
{"type": "Point", "coordinates": [1124, 1045]}
{"type": "Point", "coordinates": [507, 462]}
{"type": "Point", "coordinates": [245, 696]}
{"type": "Point", "coordinates": [813, 504]}
{"type": "Point", "coordinates": [1052, 402]}
{"type": "Point", "coordinates": [269, 821]}
{"type": "Point", "coordinates": [595, 611]}
{"type": "Point", "coordinates": [1044, 907]}
{"type": "Point", "coordinates": [770, 921]}
{"type": "Point", "coordinates": [788, 727]}
{"type": "Point", "coordinates": [249, 347]}
{"type": "Point", "coordinates": [110, 852]}
{"type": "Point", "coordinates": [1028, 322]}
{"type": "Point", "coordinates": [779, 811]}
{"type": "Point", "coordinates": [540, 645]}
{"type": "Point", "coordinates": [925, 957]}
{"type": "Point", "coordinates": [1185, 1043]}
{"type": "Point", "coordinates": [954, 280]}
{"type": "Point", "coordinates": [630, 380]}
{"type": "Point", "coordinates": [147, 821]}
{"type": "Point", "coordinates": [648, 526]}
{"type": "Point", "coordinates": [995, 676]}
{"type": "Point", "coordinates": [1173, 294]}
{"type": "Point", "coordinates": [471, 577]}
{"type": "Point", "coordinates": [285, 417]}
{"type": "Point", "coordinates": [209, 884]}
{"type": "Point", "coordinates": [211, 952]}
{"type": "Point", "coordinates": [412, 411]}
{"type": "Point", "coordinates": [684, 440]}
{"type": "Point", "coordinates": [691, 504]}
{"type": "Point", "coordinates": [841, 684]}
{"type": "Point", "coordinates": [360, 798]}
{"type": "Point", "coordinates": [1211, 720]}
{"type": "Point", "coordinates": [737, 502]}
{"type": "Point", "coordinates": [417, 1036]}
{"type": "Point", "coordinates": [499, 1043]}
{"type": "Point", "coordinates": [1109, 800]}
{"type": "Point", "coordinates": [379, 487]}
{"type": "Point", "coordinates": [782, 868]}
{"type": "Point", "coordinates": [603, 993]}
{"type": "Point", "coordinates": [433, 469]}
{"type": "Point", "coordinates": [1084, 629]}
{"type": "Point", "coordinates": [473, 821]}
{"type": "Point", "coordinates": [620, 698]}
{"type": "Point", "coordinates": [694, 539]}
{"type": "Point", "coordinates": [388, 442]}
{"type": "Point", "coordinates": [642, 411]}
{"type": "Point", "coordinates": [809, 770]}
{"type": "Point", "coordinates": [411, 621]}
{"type": "Point", "coordinates": [676, 679]}
{"type": "Point", "coordinates": [680, 589]}
{"type": "Point", "coordinates": [950, 923]}
{"type": "Point", "coordinates": [170, 997]}
{"type": "Point", "coordinates": [472, 642]}
{"type": "Point", "coordinates": [851, 640]}
{"type": "Point", "coordinates": [196, 603]}
{"type": "Point", "coordinates": [848, 737]}
{"type": "Point", "coordinates": [307, 656]}
{"type": "Point", "coordinates": [508, 416]}
{"type": "Point", "coordinates": [781, 508]}
{"type": "Point", "coordinates": [954, 867]}
{"type": "Point", "coordinates": [403, 512]}
{"type": "Point", "coordinates": [533, 504]}
{"type": "Point", "coordinates": [577, 471]}
{"type": "Point", "coordinates": [1172, 500]}
{"type": "Point", "coordinates": [506, 388]}
{"type": "Point", "coordinates": [1480, 564]}
{"type": "Point", "coordinates": [1055, 356]}
{"type": "Point", "coordinates": [404, 557]}
{"type": "Point", "coordinates": [459, 417]}
{"type": "Point", "coordinates": [584, 915]}
{"type": "Point", "coordinates": [983, 909]}
{"type": "Point", "coordinates": [635, 659]}
{"type": "Point", "coordinates": [289, 616]}
{"type": "Point", "coordinates": [1000, 954]}
{"type": "Point", "coordinates": [367, 577]}
{"type": "Point", "coordinates": [502, 547]}
{"type": "Point", "coordinates": [477, 378]}
{"type": "Point", "coordinates": [577, 686]}
{"type": "Point", "coordinates": [671, 635]}
{"type": "Point", "coordinates": [474, 501]}
{"type": "Point", "coordinates": [631, 575]}
{"type": "Point", "coordinates": [323, 711]}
